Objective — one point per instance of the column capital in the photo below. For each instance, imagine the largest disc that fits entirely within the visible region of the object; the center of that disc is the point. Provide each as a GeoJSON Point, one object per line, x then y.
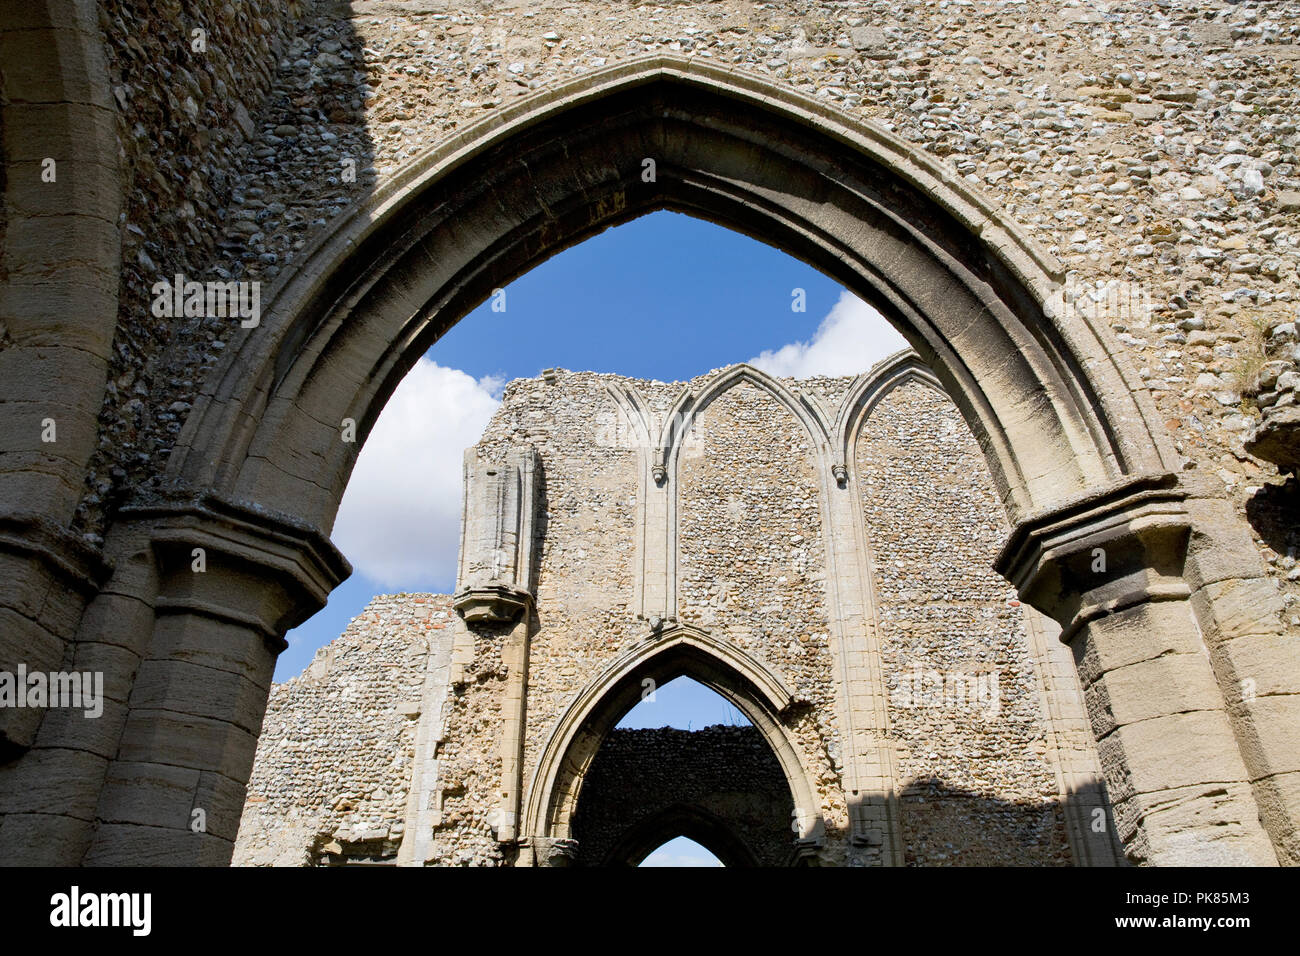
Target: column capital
{"type": "Point", "coordinates": [1103, 551]}
{"type": "Point", "coordinates": [243, 546]}
{"type": "Point", "coordinates": [492, 603]}
{"type": "Point", "coordinates": [66, 556]}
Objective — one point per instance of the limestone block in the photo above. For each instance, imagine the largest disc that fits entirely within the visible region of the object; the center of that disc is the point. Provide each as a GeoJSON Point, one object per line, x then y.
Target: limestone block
{"type": "Point", "coordinates": [1272, 745]}
{"type": "Point", "coordinates": [72, 727]}
{"type": "Point", "coordinates": [185, 688]}
{"type": "Point", "coordinates": [1138, 634]}
{"type": "Point", "coordinates": [1199, 826]}
{"type": "Point", "coordinates": [69, 75]}
{"type": "Point", "coordinates": [149, 794]}
{"type": "Point", "coordinates": [1173, 751]}
{"type": "Point", "coordinates": [1171, 684]}
{"type": "Point", "coordinates": [52, 778]}
{"type": "Point", "coordinates": [128, 844]}
{"type": "Point", "coordinates": [188, 741]}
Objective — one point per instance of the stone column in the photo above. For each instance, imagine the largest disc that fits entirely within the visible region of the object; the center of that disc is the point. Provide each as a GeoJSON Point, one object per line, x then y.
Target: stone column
{"type": "Point", "coordinates": [422, 810]}
{"type": "Point", "coordinates": [47, 575]}
{"type": "Point", "coordinates": [1109, 568]}
{"type": "Point", "coordinates": [1256, 659]}
{"type": "Point", "coordinates": [48, 794]}
{"type": "Point", "coordinates": [514, 716]}
{"type": "Point", "coordinates": [1089, 825]}
{"type": "Point", "coordinates": [60, 252]}
{"type": "Point", "coordinates": [60, 256]}
{"type": "Point", "coordinates": [496, 588]}
{"type": "Point", "coordinates": [231, 581]}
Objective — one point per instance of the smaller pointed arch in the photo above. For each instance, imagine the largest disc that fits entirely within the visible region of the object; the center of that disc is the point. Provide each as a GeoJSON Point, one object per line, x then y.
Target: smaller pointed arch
{"type": "Point", "coordinates": [664, 655]}
{"type": "Point", "coordinates": [691, 404]}
{"type": "Point", "coordinates": [695, 823]}
{"type": "Point", "coordinates": [634, 408]}
{"type": "Point", "coordinates": [869, 390]}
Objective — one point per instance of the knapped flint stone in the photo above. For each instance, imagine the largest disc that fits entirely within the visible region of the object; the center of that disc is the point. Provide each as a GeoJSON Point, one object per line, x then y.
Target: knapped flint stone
{"type": "Point", "coordinates": [867, 38]}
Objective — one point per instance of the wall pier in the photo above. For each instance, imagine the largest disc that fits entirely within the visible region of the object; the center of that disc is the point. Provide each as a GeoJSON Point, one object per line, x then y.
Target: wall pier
{"type": "Point", "coordinates": [1110, 569]}
{"type": "Point", "coordinates": [191, 669]}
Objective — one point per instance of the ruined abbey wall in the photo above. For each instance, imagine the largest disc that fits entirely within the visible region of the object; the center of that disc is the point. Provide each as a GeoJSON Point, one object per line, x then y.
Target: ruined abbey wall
{"type": "Point", "coordinates": [335, 758]}
{"type": "Point", "coordinates": [753, 556]}
{"type": "Point", "coordinates": [964, 707]}
{"type": "Point", "coordinates": [1150, 146]}
{"type": "Point", "coordinates": [975, 735]}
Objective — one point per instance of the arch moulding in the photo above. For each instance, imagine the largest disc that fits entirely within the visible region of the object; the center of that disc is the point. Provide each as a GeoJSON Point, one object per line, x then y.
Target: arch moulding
{"type": "Point", "coordinates": [972, 295]}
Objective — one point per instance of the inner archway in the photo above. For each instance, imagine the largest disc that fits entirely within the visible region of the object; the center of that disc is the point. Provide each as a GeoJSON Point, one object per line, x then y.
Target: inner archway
{"type": "Point", "coordinates": [685, 777]}
{"type": "Point", "coordinates": [580, 811]}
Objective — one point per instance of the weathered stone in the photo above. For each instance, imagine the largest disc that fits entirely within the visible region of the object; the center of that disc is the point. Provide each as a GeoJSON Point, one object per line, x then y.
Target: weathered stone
{"type": "Point", "coordinates": [185, 173]}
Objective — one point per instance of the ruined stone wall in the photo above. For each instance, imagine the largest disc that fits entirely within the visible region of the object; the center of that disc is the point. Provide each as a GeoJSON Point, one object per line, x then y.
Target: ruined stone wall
{"type": "Point", "coordinates": [728, 775]}
{"type": "Point", "coordinates": [1275, 437]}
{"type": "Point", "coordinates": [974, 754]}
{"type": "Point", "coordinates": [963, 706]}
{"type": "Point", "coordinates": [1149, 144]}
{"type": "Point", "coordinates": [334, 761]}
{"type": "Point", "coordinates": [774, 606]}
{"type": "Point", "coordinates": [584, 588]}
{"type": "Point", "coordinates": [977, 772]}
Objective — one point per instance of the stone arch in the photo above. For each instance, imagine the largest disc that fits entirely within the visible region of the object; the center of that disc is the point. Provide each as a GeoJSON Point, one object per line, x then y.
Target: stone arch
{"type": "Point", "coordinates": [1080, 460]}
{"type": "Point", "coordinates": [706, 829]}
{"type": "Point", "coordinates": [690, 405]}
{"type": "Point", "coordinates": [971, 294]}
{"type": "Point", "coordinates": [633, 407]}
{"type": "Point", "coordinates": [683, 650]}
{"type": "Point", "coordinates": [868, 390]}
{"type": "Point", "coordinates": [677, 425]}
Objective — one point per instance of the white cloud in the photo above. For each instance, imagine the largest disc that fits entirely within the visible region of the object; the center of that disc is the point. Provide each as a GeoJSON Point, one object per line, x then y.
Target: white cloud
{"type": "Point", "coordinates": [851, 339]}
{"type": "Point", "coordinates": [399, 521]}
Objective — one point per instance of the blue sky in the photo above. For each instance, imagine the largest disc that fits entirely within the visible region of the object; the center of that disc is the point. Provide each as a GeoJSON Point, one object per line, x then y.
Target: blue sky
{"type": "Point", "coordinates": [681, 851]}
{"type": "Point", "coordinates": [664, 297]}
{"type": "Point", "coordinates": [685, 704]}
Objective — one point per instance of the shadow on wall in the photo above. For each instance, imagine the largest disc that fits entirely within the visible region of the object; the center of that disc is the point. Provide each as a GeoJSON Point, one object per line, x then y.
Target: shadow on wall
{"type": "Point", "coordinates": [720, 786]}
{"type": "Point", "coordinates": [723, 788]}
{"type": "Point", "coordinates": [244, 133]}
{"type": "Point", "coordinates": [1274, 513]}
{"type": "Point", "coordinates": [950, 826]}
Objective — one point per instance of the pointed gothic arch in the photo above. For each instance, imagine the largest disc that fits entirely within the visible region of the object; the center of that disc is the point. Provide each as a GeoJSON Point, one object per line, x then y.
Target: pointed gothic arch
{"type": "Point", "coordinates": [691, 405]}
{"type": "Point", "coordinates": [573, 742]}
{"type": "Point", "coordinates": [971, 294]}
{"type": "Point", "coordinates": [708, 830]}
{"type": "Point", "coordinates": [869, 389]}
{"type": "Point", "coordinates": [1077, 453]}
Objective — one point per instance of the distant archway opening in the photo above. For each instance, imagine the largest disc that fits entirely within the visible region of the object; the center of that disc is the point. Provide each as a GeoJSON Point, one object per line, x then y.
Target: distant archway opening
{"type": "Point", "coordinates": [719, 786]}
{"type": "Point", "coordinates": [612, 795]}
{"type": "Point", "coordinates": [681, 851]}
